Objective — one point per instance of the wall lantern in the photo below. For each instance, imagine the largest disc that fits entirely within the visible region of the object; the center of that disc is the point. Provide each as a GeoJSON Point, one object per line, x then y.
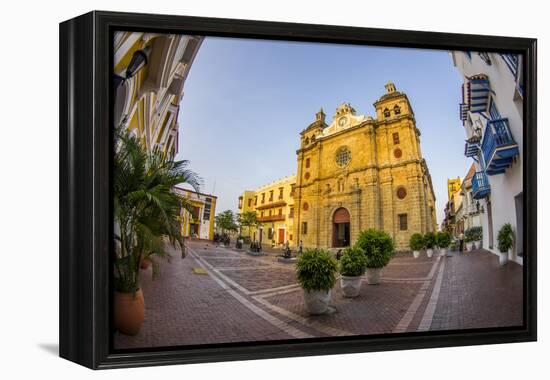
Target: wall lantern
{"type": "Point", "coordinates": [140, 58]}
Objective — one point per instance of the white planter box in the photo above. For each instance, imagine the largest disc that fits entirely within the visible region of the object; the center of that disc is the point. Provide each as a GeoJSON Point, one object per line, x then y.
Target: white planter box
{"type": "Point", "coordinates": [317, 301]}
{"type": "Point", "coordinates": [416, 254]}
{"type": "Point", "coordinates": [373, 276]}
{"type": "Point", "coordinates": [351, 285]}
{"type": "Point", "coordinates": [503, 257]}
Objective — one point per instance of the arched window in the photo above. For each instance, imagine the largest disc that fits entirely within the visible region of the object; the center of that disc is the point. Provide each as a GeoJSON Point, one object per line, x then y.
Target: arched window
{"type": "Point", "coordinates": [313, 138]}
{"type": "Point", "coordinates": [306, 142]}
{"type": "Point", "coordinates": [386, 113]}
{"type": "Point", "coordinates": [396, 110]}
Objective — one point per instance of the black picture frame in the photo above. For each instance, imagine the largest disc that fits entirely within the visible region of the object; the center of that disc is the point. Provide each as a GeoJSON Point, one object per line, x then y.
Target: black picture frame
{"type": "Point", "coordinates": [85, 202]}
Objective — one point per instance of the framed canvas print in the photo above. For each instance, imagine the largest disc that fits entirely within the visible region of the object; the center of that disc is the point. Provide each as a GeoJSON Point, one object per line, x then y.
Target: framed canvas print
{"type": "Point", "coordinates": [238, 189]}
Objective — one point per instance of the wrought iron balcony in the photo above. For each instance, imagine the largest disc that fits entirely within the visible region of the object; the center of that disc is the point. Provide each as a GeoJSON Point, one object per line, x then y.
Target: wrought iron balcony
{"type": "Point", "coordinates": [480, 186]}
{"type": "Point", "coordinates": [472, 146]}
{"type": "Point", "coordinates": [463, 111]}
{"type": "Point", "coordinates": [477, 91]}
{"type": "Point", "coordinates": [271, 218]}
{"type": "Point", "coordinates": [498, 146]}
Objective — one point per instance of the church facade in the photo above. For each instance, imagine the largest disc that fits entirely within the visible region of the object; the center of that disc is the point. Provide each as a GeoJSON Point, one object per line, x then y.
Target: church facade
{"type": "Point", "coordinates": [362, 172]}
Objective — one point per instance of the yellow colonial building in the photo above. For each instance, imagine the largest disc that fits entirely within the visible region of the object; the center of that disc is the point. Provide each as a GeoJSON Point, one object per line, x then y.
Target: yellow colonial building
{"type": "Point", "coordinates": [274, 207]}
{"type": "Point", "coordinates": [150, 70]}
{"type": "Point", "coordinates": [199, 222]}
{"type": "Point", "coordinates": [356, 173]}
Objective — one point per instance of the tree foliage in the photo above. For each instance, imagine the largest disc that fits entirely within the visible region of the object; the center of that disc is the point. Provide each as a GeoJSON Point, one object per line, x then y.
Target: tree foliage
{"type": "Point", "coordinates": [505, 238]}
{"type": "Point", "coordinates": [316, 270]}
{"type": "Point", "coordinates": [146, 207]}
{"type": "Point", "coordinates": [248, 219]}
{"type": "Point", "coordinates": [353, 262]}
{"type": "Point", "coordinates": [377, 246]}
{"type": "Point", "coordinates": [429, 240]}
{"type": "Point", "coordinates": [416, 242]}
{"type": "Point", "coordinates": [443, 239]}
{"type": "Point", "coordinates": [226, 221]}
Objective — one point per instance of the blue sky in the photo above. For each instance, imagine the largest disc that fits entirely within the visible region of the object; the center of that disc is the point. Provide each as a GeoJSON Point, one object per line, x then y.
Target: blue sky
{"type": "Point", "coordinates": [245, 102]}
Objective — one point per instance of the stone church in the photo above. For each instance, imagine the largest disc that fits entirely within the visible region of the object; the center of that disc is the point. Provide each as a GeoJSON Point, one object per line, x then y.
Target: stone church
{"type": "Point", "coordinates": [362, 172]}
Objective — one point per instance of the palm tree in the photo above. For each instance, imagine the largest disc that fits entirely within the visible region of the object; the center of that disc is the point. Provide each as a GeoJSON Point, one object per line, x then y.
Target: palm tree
{"type": "Point", "coordinates": [146, 207]}
{"type": "Point", "coordinates": [248, 219]}
{"type": "Point", "coordinates": [226, 221]}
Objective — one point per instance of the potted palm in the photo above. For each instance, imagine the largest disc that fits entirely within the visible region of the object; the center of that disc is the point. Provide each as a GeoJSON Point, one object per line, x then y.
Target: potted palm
{"type": "Point", "coordinates": [429, 243]}
{"type": "Point", "coordinates": [417, 244]}
{"type": "Point", "coordinates": [352, 267]}
{"type": "Point", "coordinates": [443, 242]}
{"type": "Point", "coordinates": [477, 236]}
{"type": "Point", "coordinates": [147, 217]}
{"type": "Point", "coordinates": [316, 273]}
{"type": "Point", "coordinates": [469, 237]}
{"type": "Point", "coordinates": [505, 243]}
{"type": "Point", "coordinates": [378, 248]}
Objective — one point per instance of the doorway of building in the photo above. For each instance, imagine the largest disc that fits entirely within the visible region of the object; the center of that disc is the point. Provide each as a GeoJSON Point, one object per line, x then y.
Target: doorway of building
{"type": "Point", "coordinates": [194, 230]}
{"type": "Point", "coordinates": [341, 228]}
{"type": "Point", "coordinates": [281, 239]}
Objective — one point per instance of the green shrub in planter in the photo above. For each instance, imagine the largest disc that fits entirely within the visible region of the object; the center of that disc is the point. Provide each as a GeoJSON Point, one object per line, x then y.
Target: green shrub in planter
{"type": "Point", "coordinates": [443, 239]}
{"type": "Point", "coordinates": [505, 238]}
{"type": "Point", "coordinates": [417, 242]}
{"type": "Point", "coordinates": [476, 233]}
{"type": "Point", "coordinates": [353, 262]}
{"type": "Point", "coordinates": [316, 270]}
{"type": "Point", "coordinates": [377, 246]}
{"type": "Point", "coordinates": [429, 240]}
{"type": "Point", "coordinates": [453, 246]}
{"type": "Point", "coordinates": [470, 235]}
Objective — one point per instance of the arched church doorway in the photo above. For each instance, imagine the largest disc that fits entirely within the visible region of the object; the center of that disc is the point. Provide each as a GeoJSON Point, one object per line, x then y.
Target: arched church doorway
{"type": "Point", "coordinates": [341, 228]}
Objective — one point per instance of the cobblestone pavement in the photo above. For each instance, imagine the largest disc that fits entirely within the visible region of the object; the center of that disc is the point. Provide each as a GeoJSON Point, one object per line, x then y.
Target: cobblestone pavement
{"type": "Point", "coordinates": [247, 298]}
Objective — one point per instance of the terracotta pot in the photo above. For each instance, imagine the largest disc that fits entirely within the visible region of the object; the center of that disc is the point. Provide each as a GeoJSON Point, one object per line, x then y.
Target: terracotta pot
{"type": "Point", "coordinates": [129, 312]}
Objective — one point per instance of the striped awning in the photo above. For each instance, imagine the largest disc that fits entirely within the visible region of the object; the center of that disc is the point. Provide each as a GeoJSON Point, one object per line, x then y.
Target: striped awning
{"type": "Point", "coordinates": [477, 91]}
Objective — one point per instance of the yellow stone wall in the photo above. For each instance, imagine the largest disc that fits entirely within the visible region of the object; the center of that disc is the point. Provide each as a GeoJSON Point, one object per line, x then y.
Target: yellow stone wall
{"type": "Point", "coordinates": [205, 224]}
{"type": "Point", "coordinates": [273, 213]}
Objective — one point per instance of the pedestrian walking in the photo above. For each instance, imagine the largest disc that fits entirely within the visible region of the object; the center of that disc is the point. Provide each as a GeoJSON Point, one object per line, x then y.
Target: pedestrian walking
{"type": "Point", "coordinates": [300, 248]}
{"type": "Point", "coordinates": [461, 241]}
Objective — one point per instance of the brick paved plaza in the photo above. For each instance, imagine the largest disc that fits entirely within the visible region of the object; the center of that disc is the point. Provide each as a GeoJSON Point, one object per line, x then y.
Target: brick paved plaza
{"type": "Point", "coordinates": [246, 298]}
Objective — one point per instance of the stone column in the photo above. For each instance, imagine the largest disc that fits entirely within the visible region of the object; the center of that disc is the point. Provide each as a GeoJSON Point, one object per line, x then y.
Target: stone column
{"type": "Point", "coordinates": [386, 197]}
{"type": "Point", "coordinates": [371, 200]}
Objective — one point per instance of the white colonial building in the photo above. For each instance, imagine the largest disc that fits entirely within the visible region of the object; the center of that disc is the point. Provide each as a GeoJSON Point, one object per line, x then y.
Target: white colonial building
{"type": "Point", "coordinates": [492, 115]}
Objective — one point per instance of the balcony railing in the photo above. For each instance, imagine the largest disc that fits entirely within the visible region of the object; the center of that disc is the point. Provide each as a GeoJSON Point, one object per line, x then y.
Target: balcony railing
{"type": "Point", "coordinates": [498, 146]}
{"type": "Point", "coordinates": [271, 205]}
{"type": "Point", "coordinates": [480, 186]}
{"type": "Point", "coordinates": [472, 147]}
{"type": "Point", "coordinates": [271, 218]}
{"type": "Point", "coordinates": [477, 94]}
{"type": "Point", "coordinates": [463, 111]}
{"type": "Point", "coordinates": [512, 61]}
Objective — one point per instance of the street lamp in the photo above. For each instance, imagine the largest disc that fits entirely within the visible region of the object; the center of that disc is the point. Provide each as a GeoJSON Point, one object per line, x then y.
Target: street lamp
{"type": "Point", "coordinates": [477, 128]}
{"type": "Point", "coordinates": [140, 58]}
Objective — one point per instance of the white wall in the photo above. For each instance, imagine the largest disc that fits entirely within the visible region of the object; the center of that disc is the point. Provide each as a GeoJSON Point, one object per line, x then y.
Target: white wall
{"type": "Point", "coordinates": [29, 285]}
{"type": "Point", "coordinates": [504, 187]}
